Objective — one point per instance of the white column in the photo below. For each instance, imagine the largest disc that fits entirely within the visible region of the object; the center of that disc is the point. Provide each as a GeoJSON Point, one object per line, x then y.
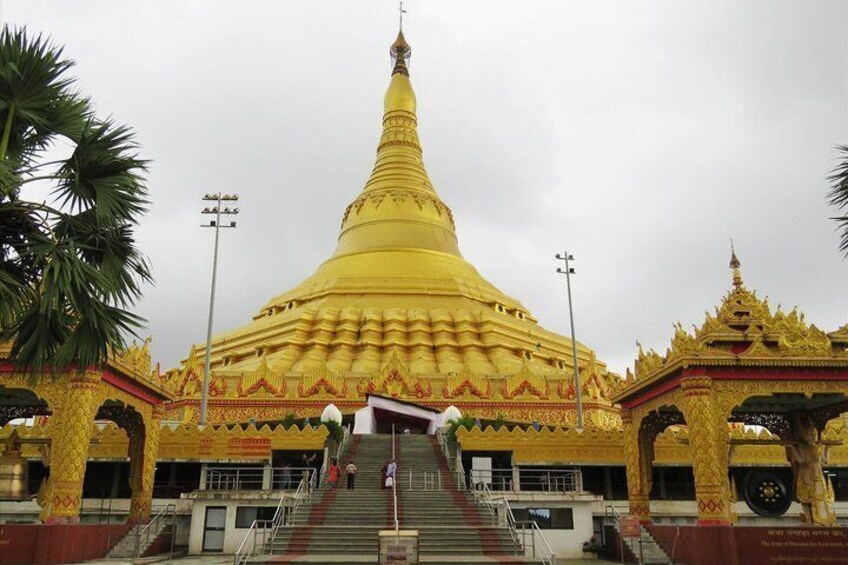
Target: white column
{"type": "Point", "coordinates": [266, 476]}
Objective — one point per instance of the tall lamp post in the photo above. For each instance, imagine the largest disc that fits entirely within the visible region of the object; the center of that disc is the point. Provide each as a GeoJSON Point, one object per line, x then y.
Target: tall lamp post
{"type": "Point", "coordinates": [578, 392]}
{"type": "Point", "coordinates": [218, 210]}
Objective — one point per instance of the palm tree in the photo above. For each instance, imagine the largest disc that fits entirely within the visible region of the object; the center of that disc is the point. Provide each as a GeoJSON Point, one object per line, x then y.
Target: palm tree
{"type": "Point", "coordinates": [69, 266]}
{"type": "Point", "coordinates": [839, 195]}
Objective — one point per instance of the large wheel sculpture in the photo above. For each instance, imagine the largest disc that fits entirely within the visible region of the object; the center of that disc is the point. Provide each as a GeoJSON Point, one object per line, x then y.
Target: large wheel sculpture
{"type": "Point", "coordinates": [766, 493]}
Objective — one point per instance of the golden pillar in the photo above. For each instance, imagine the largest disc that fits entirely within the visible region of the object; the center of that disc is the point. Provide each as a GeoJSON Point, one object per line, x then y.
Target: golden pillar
{"type": "Point", "coordinates": [71, 436]}
{"type": "Point", "coordinates": [708, 443]}
{"type": "Point", "coordinates": [143, 448]}
{"type": "Point", "coordinates": [638, 460]}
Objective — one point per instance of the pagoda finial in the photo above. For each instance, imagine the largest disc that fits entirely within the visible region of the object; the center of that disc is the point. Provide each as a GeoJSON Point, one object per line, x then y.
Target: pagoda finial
{"type": "Point", "coordinates": [400, 50]}
{"type": "Point", "coordinates": [401, 12]}
{"type": "Point", "coordinates": [735, 264]}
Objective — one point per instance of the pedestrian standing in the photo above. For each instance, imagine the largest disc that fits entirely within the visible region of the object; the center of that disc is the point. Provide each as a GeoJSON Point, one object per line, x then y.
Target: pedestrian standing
{"type": "Point", "coordinates": [333, 474]}
{"type": "Point", "coordinates": [351, 475]}
{"type": "Point", "coordinates": [383, 475]}
{"type": "Point", "coordinates": [390, 474]}
{"type": "Point", "coordinates": [287, 477]}
{"type": "Point", "coordinates": [304, 461]}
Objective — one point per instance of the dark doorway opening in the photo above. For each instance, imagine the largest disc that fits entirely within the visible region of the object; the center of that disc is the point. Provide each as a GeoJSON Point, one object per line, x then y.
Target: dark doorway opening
{"type": "Point", "coordinates": [402, 422]}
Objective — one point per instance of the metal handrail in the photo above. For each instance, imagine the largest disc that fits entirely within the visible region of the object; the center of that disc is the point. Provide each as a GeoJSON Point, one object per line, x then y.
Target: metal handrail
{"type": "Point", "coordinates": [459, 469]}
{"type": "Point", "coordinates": [610, 509]}
{"type": "Point", "coordinates": [394, 482]}
{"type": "Point", "coordinates": [150, 527]}
{"type": "Point", "coordinates": [312, 486]}
{"type": "Point", "coordinates": [303, 492]}
{"type": "Point", "coordinates": [431, 480]}
{"type": "Point", "coordinates": [550, 557]}
{"type": "Point", "coordinates": [444, 442]}
{"type": "Point", "coordinates": [544, 552]}
{"type": "Point", "coordinates": [238, 478]}
{"type": "Point", "coordinates": [488, 499]}
{"type": "Point", "coordinates": [267, 529]}
{"type": "Point", "coordinates": [342, 448]}
{"type": "Point", "coordinates": [518, 479]}
{"type": "Point", "coordinates": [325, 466]}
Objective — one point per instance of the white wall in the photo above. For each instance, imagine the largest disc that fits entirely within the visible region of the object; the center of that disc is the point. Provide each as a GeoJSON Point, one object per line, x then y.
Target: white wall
{"type": "Point", "coordinates": [232, 536]}
{"type": "Point", "coordinates": [566, 544]}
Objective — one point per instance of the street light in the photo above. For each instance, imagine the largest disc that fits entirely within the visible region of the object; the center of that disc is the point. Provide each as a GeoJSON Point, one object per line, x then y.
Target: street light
{"type": "Point", "coordinates": [218, 210]}
{"type": "Point", "coordinates": [578, 396]}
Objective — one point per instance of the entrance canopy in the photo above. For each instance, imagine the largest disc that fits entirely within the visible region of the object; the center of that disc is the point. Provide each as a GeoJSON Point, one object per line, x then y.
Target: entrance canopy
{"type": "Point", "coordinates": [381, 412]}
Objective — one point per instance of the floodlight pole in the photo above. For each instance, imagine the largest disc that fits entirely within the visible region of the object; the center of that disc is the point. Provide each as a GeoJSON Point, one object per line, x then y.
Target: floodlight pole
{"type": "Point", "coordinates": [578, 388]}
{"type": "Point", "coordinates": [218, 211]}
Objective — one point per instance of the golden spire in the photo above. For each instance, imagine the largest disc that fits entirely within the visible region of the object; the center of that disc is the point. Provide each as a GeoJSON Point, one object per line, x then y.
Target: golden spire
{"type": "Point", "coordinates": [400, 52]}
{"type": "Point", "coordinates": [398, 207]}
{"type": "Point", "coordinates": [735, 264]}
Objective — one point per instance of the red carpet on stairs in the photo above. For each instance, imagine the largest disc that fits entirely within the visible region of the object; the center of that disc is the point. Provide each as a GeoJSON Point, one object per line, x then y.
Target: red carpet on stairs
{"type": "Point", "coordinates": [489, 539]}
{"type": "Point", "coordinates": [301, 535]}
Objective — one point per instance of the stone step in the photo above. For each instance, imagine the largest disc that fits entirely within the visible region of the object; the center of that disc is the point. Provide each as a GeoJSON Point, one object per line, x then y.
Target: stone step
{"type": "Point", "coordinates": [370, 559]}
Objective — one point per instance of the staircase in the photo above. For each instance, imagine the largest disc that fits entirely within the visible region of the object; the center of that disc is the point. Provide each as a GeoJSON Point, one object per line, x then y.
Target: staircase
{"type": "Point", "coordinates": [341, 526]}
{"type": "Point", "coordinates": [125, 549]}
{"type": "Point", "coordinates": [645, 548]}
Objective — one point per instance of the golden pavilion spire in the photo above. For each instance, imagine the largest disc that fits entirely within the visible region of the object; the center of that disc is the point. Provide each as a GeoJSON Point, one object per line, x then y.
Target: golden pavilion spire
{"type": "Point", "coordinates": [736, 265]}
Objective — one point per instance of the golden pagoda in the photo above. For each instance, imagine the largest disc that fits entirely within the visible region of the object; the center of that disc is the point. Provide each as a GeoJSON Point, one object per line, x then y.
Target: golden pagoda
{"type": "Point", "coordinates": [396, 311]}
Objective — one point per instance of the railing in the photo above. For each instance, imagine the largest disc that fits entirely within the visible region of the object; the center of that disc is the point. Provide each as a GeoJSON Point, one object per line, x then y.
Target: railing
{"type": "Point", "coordinates": [529, 480]}
{"type": "Point", "coordinates": [612, 514]}
{"type": "Point", "coordinates": [144, 534]}
{"type": "Point", "coordinates": [340, 451]}
{"type": "Point", "coordinates": [289, 509]}
{"type": "Point", "coordinates": [394, 482]}
{"type": "Point", "coordinates": [500, 510]}
{"type": "Point", "coordinates": [261, 532]}
{"type": "Point", "coordinates": [444, 442]}
{"type": "Point", "coordinates": [433, 480]}
{"type": "Point", "coordinates": [459, 472]}
{"type": "Point", "coordinates": [539, 547]}
{"type": "Point", "coordinates": [254, 478]}
{"type": "Point", "coordinates": [454, 460]}
{"type": "Point", "coordinates": [234, 478]}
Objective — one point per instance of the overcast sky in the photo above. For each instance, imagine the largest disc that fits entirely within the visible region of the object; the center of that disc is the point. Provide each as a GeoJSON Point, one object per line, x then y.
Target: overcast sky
{"type": "Point", "coordinates": [639, 136]}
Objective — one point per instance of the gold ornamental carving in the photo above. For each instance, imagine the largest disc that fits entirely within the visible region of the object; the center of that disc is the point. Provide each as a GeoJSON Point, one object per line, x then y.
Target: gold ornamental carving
{"type": "Point", "coordinates": [525, 382]}
{"type": "Point", "coordinates": [323, 381]}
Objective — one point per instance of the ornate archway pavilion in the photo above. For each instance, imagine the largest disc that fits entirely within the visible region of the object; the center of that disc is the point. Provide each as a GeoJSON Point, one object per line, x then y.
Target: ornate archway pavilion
{"type": "Point", "coordinates": [744, 365]}
{"type": "Point", "coordinates": [72, 401]}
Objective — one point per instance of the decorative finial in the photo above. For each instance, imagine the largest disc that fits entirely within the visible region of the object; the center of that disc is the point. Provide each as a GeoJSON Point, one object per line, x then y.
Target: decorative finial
{"type": "Point", "coordinates": [735, 264]}
{"type": "Point", "coordinates": [401, 12]}
{"type": "Point", "coordinates": [400, 52]}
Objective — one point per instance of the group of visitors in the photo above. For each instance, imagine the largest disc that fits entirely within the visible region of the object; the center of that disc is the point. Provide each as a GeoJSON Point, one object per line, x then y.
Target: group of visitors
{"type": "Point", "coordinates": [387, 474]}
{"type": "Point", "coordinates": [334, 472]}
{"type": "Point", "coordinates": [308, 465]}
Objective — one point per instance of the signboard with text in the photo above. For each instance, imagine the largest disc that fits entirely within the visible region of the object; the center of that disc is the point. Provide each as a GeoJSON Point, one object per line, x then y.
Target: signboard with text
{"type": "Point", "coordinates": [630, 527]}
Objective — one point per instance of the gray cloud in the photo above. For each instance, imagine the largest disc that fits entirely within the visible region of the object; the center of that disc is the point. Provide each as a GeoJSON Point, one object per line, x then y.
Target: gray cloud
{"type": "Point", "coordinates": [639, 135]}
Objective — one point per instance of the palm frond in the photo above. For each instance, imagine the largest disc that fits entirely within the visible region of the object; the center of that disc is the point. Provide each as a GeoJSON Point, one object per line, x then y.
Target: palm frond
{"type": "Point", "coordinates": [838, 195]}
{"type": "Point", "coordinates": [67, 272]}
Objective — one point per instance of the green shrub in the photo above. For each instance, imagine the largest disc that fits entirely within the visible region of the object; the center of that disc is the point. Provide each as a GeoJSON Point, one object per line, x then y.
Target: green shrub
{"type": "Point", "coordinates": [289, 420]}
{"type": "Point", "coordinates": [466, 422]}
{"type": "Point", "coordinates": [336, 430]}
